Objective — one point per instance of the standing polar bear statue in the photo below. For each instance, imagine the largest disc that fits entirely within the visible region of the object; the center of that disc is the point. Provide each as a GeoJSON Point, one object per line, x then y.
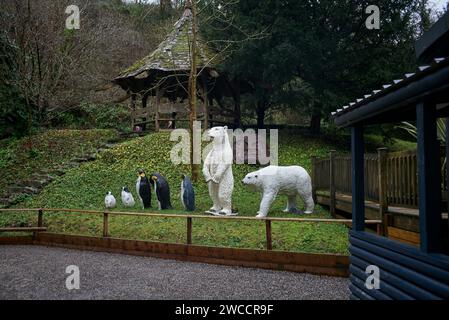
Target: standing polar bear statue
{"type": "Point", "coordinates": [289, 181]}
{"type": "Point", "coordinates": [217, 171]}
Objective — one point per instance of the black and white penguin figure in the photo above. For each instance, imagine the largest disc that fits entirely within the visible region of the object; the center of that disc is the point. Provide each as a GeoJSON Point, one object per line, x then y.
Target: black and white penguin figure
{"type": "Point", "coordinates": [109, 201]}
{"type": "Point", "coordinates": [162, 190]}
{"type": "Point", "coordinates": [127, 198]}
{"type": "Point", "coordinates": [143, 189]}
{"type": "Point", "coordinates": [187, 194]}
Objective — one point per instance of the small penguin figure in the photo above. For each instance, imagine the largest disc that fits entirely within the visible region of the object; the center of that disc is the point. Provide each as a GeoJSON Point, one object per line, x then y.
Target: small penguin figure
{"type": "Point", "coordinates": [187, 194]}
{"type": "Point", "coordinates": [162, 190]}
{"type": "Point", "coordinates": [143, 189]}
{"type": "Point", "coordinates": [109, 201]}
{"type": "Point", "coordinates": [127, 198]}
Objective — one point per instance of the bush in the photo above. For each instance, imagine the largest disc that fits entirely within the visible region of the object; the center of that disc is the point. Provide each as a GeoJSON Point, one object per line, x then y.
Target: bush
{"type": "Point", "coordinates": [13, 111]}
{"type": "Point", "coordinates": [100, 116]}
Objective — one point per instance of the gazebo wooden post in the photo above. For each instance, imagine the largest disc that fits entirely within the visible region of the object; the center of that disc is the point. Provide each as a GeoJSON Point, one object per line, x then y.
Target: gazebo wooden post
{"type": "Point", "coordinates": [358, 178]}
{"type": "Point", "coordinates": [157, 107]}
{"type": "Point", "coordinates": [132, 106]}
{"type": "Point", "coordinates": [429, 179]}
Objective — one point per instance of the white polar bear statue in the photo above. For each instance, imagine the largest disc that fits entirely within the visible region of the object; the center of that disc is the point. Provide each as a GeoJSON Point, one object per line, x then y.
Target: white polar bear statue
{"type": "Point", "coordinates": [289, 181]}
{"type": "Point", "coordinates": [217, 171]}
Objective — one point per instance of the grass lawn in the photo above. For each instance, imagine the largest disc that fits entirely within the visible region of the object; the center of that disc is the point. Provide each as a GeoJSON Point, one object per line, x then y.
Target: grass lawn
{"type": "Point", "coordinates": [84, 188]}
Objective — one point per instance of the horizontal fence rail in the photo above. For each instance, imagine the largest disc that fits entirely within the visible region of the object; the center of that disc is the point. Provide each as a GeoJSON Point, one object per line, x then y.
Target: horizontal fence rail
{"type": "Point", "coordinates": [189, 220]}
{"type": "Point", "coordinates": [398, 171]}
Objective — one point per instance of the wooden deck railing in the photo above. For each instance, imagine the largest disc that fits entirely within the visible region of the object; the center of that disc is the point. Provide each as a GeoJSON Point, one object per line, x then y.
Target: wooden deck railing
{"type": "Point", "coordinates": [390, 178]}
{"type": "Point", "coordinates": [189, 220]}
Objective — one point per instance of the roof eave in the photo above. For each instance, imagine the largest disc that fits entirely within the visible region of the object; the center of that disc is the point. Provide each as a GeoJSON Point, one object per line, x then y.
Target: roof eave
{"type": "Point", "coordinates": [402, 97]}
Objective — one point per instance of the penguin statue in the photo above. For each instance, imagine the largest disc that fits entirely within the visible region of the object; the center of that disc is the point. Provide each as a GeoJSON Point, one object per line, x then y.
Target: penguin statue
{"type": "Point", "coordinates": [127, 198]}
{"type": "Point", "coordinates": [109, 201]}
{"type": "Point", "coordinates": [187, 194]}
{"type": "Point", "coordinates": [143, 189]}
{"type": "Point", "coordinates": [162, 190]}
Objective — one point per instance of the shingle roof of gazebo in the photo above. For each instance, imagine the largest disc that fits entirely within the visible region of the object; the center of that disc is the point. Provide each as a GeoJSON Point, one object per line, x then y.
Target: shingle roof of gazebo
{"type": "Point", "coordinates": [173, 54]}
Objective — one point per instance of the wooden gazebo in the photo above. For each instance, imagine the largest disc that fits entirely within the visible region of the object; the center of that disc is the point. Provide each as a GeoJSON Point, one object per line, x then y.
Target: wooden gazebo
{"type": "Point", "coordinates": [158, 83]}
{"type": "Point", "coordinates": [405, 271]}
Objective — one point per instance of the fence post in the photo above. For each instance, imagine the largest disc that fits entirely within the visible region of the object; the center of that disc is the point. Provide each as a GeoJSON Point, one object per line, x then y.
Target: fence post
{"type": "Point", "coordinates": [383, 193]}
{"type": "Point", "coordinates": [189, 230]}
{"type": "Point", "coordinates": [268, 233]}
{"type": "Point", "coordinates": [40, 222]}
{"type": "Point", "coordinates": [313, 176]}
{"type": "Point", "coordinates": [332, 190]}
{"type": "Point", "coordinates": [105, 225]}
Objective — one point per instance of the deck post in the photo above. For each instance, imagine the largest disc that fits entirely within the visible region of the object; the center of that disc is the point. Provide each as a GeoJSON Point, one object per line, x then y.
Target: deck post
{"type": "Point", "coordinates": [358, 178]}
{"type": "Point", "coordinates": [383, 194]}
{"type": "Point", "coordinates": [447, 166]}
{"type": "Point", "coordinates": [268, 234]}
{"type": "Point", "coordinates": [429, 179]}
{"type": "Point", "coordinates": [313, 176]}
{"type": "Point", "coordinates": [332, 191]}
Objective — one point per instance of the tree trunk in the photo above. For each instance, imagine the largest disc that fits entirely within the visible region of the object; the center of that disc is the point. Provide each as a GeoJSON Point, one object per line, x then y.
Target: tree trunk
{"type": "Point", "coordinates": [237, 107]}
{"type": "Point", "coordinates": [260, 110]}
{"type": "Point", "coordinates": [315, 122]}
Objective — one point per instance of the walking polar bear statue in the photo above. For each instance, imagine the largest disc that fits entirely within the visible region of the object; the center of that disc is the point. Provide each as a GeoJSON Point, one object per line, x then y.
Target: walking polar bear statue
{"type": "Point", "coordinates": [289, 181]}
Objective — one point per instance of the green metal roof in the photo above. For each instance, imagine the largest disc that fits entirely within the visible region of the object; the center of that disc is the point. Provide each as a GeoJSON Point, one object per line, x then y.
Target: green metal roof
{"type": "Point", "coordinates": [173, 54]}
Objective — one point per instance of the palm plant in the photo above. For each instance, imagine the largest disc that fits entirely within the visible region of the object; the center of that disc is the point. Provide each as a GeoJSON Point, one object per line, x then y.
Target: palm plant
{"type": "Point", "coordinates": [412, 130]}
{"type": "Point", "coordinates": [441, 132]}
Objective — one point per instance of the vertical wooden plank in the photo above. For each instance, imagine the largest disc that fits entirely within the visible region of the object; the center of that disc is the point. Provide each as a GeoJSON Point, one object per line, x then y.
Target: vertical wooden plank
{"type": "Point", "coordinates": [189, 230]}
{"type": "Point", "coordinates": [396, 184]}
{"type": "Point", "coordinates": [430, 221]}
{"type": "Point", "coordinates": [414, 184]}
{"type": "Point", "coordinates": [332, 189]}
{"type": "Point", "coordinates": [105, 225]}
{"type": "Point", "coordinates": [407, 179]}
{"type": "Point", "coordinates": [382, 180]}
{"type": "Point", "coordinates": [358, 187]}
{"type": "Point", "coordinates": [268, 234]}
{"type": "Point", "coordinates": [314, 177]}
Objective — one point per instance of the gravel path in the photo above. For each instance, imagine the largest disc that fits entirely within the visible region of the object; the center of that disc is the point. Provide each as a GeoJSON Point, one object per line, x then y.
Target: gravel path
{"type": "Point", "coordinates": [33, 272]}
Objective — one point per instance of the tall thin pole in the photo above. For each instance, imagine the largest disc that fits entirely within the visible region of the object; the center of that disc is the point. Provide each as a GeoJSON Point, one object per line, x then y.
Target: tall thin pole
{"type": "Point", "coordinates": [192, 86]}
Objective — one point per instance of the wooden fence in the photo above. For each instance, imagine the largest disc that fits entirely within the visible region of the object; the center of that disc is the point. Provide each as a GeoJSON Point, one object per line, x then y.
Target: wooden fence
{"type": "Point", "coordinates": [189, 218]}
{"type": "Point", "coordinates": [390, 178]}
{"type": "Point", "coordinates": [316, 263]}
